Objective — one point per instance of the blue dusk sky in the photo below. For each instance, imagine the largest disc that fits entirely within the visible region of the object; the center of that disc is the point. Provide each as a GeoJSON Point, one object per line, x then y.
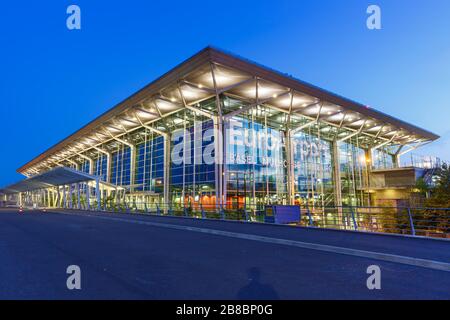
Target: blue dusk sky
{"type": "Point", "coordinates": [53, 80]}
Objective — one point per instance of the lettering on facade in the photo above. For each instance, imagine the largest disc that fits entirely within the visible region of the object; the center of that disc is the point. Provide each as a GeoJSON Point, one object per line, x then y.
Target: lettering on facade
{"type": "Point", "coordinates": [258, 145]}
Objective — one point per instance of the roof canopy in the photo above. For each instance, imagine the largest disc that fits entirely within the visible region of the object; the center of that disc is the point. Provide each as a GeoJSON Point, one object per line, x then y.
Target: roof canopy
{"type": "Point", "coordinates": [211, 73]}
{"type": "Point", "coordinates": [55, 177]}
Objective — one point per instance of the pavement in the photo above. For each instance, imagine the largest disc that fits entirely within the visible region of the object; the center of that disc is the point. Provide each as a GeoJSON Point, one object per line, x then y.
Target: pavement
{"type": "Point", "coordinates": [123, 256]}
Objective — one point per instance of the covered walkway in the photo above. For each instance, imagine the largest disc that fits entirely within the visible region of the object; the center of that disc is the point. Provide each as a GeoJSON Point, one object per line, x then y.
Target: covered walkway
{"type": "Point", "coordinates": [61, 187]}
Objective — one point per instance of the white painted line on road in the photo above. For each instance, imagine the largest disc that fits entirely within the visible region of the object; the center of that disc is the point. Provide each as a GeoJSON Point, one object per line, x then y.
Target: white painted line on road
{"type": "Point", "coordinates": [430, 264]}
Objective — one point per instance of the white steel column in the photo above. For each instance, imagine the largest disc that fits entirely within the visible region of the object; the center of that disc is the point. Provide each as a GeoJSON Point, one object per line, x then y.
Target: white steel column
{"type": "Point", "coordinates": [98, 193]}
{"type": "Point", "coordinates": [337, 174]}
{"type": "Point", "coordinates": [64, 197]}
{"type": "Point", "coordinates": [368, 164]}
{"type": "Point", "coordinates": [88, 196]}
{"type": "Point", "coordinates": [58, 197]}
{"type": "Point", "coordinates": [166, 173]}
{"type": "Point", "coordinates": [218, 142]}
{"type": "Point", "coordinates": [108, 163]}
{"type": "Point", "coordinates": [91, 163]}
{"type": "Point", "coordinates": [70, 196]}
{"type": "Point", "coordinates": [91, 172]}
{"type": "Point", "coordinates": [218, 160]}
{"type": "Point", "coordinates": [54, 197]}
{"type": "Point", "coordinates": [132, 158]}
{"type": "Point", "coordinates": [290, 167]}
{"type": "Point", "coordinates": [166, 184]}
{"type": "Point", "coordinates": [132, 167]}
{"type": "Point", "coordinates": [78, 196]}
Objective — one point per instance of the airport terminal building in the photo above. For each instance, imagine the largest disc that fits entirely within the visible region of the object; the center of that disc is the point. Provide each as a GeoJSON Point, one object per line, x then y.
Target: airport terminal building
{"type": "Point", "coordinates": [219, 132]}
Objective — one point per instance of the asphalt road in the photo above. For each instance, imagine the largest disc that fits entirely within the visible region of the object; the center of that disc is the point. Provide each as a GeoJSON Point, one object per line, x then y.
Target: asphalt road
{"type": "Point", "coordinates": [141, 257]}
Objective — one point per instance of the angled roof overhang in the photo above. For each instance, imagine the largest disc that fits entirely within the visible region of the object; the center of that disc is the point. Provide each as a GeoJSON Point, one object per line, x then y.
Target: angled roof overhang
{"type": "Point", "coordinates": [212, 72]}
{"type": "Point", "coordinates": [55, 177]}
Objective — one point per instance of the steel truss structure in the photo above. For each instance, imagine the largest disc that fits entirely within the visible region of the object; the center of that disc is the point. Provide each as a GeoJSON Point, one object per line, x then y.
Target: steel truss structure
{"type": "Point", "coordinates": [273, 139]}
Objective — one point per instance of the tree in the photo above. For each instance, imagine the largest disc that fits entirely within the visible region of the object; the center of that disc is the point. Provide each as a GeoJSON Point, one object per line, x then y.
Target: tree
{"type": "Point", "coordinates": [440, 193]}
{"type": "Point", "coordinates": [434, 218]}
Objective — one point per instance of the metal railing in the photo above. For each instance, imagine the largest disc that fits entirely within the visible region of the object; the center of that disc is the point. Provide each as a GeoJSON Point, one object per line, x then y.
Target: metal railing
{"type": "Point", "coordinates": [428, 222]}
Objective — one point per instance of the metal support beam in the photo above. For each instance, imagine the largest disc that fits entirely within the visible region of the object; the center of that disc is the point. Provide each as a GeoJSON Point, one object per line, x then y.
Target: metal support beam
{"type": "Point", "coordinates": [337, 174]}
{"type": "Point", "coordinates": [353, 134]}
{"type": "Point", "coordinates": [413, 148]}
{"type": "Point", "coordinates": [291, 167]}
{"type": "Point", "coordinates": [166, 182]}
{"type": "Point", "coordinates": [70, 196]}
{"type": "Point", "coordinates": [166, 179]}
{"type": "Point", "coordinates": [304, 126]}
{"type": "Point", "coordinates": [98, 193]}
{"type": "Point", "coordinates": [64, 197]}
{"type": "Point", "coordinates": [108, 162]}
{"type": "Point", "coordinates": [91, 162]}
{"type": "Point", "coordinates": [78, 196]}
{"type": "Point", "coordinates": [218, 145]}
{"type": "Point", "coordinates": [132, 158]}
{"type": "Point", "coordinates": [88, 196]}
{"type": "Point", "coordinates": [384, 143]}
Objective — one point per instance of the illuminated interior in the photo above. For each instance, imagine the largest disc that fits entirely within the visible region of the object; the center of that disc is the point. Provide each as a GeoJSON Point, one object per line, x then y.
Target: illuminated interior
{"type": "Point", "coordinates": [273, 139]}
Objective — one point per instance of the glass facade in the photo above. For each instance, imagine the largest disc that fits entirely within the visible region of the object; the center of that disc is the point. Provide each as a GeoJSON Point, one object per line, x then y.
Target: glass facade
{"type": "Point", "coordinates": [150, 163]}
{"type": "Point", "coordinates": [120, 170]}
{"type": "Point", "coordinates": [353, 171]}
{"type": "Point", "coordinates": [256, 171]}
{"type": "Point", "coordinates": [260, 166]}
{"type": "Point", "coordinates": [228, 136]}
{"type": "Point", "coordinates": [313, 169]}
{"type": "Point", "coordinates": [192, 167]}
{"type": "Point", "coordinates": [85, 166]}
{"type": "Point", "coordinates": [100, 166]}
{"type": "Point", "coordinates": [383, 158]}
